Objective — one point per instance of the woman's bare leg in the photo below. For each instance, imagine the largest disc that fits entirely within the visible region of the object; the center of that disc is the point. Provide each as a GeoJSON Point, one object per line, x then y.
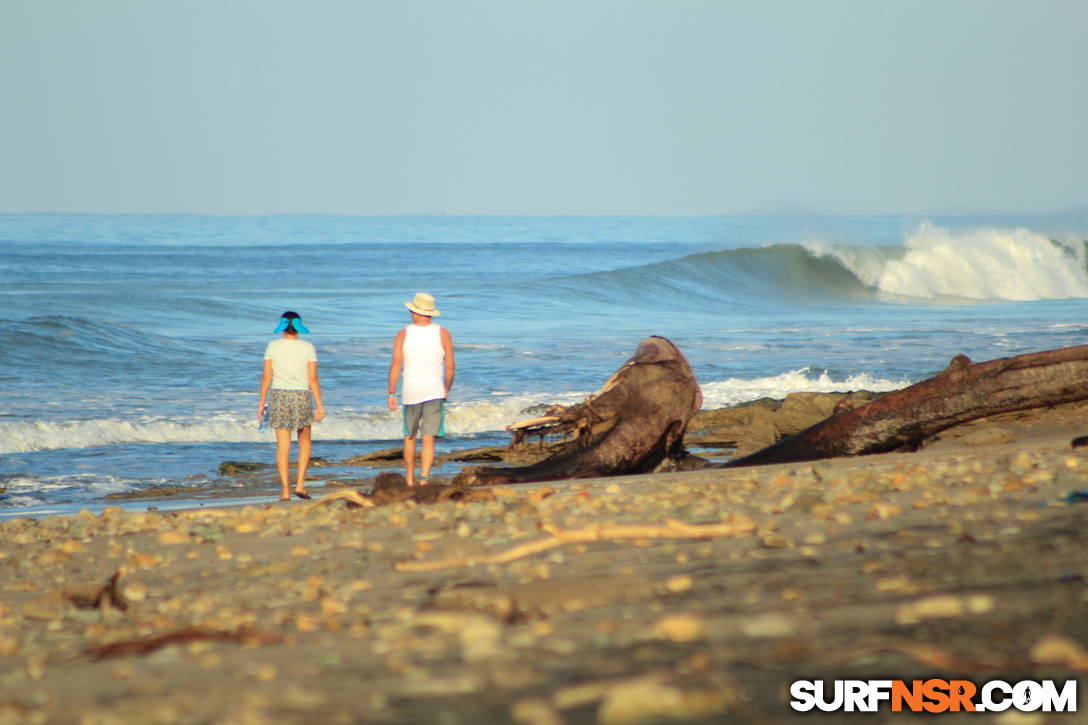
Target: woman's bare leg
{"type": "Point", "coordinates": [304, 446]}
{"type": "Point", "coordinates": [283, 460]}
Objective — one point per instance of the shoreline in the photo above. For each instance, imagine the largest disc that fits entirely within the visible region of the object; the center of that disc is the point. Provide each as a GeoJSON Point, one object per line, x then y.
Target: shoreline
{"type": "Point", "coordinates": [711, 434]}
{"type": "Point", "coordinates": [955, 561]}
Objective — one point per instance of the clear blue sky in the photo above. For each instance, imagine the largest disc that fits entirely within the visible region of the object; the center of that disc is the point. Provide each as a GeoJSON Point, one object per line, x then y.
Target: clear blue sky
{"type": "Point", "coordinates": [586, 107]}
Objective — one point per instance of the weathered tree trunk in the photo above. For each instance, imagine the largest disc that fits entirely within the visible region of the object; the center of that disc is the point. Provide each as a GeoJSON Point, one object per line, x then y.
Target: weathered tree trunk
{"type": "Point", "coordinates": [632, 425]}
{"type": "Point", "coordinates": [963, 392]}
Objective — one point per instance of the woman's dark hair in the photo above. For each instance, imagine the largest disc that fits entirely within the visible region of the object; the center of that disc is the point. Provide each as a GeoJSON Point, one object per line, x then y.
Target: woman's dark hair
{"type": "Point", "coordinates": [291, 317]}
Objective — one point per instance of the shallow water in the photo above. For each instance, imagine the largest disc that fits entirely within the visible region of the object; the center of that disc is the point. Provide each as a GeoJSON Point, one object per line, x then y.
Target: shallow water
{"type": "Point", "coordinates": [133, 348]}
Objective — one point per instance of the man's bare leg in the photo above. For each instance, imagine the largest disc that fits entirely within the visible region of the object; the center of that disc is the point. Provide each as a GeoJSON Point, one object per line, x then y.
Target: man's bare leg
{"type": "Point", "coordinates": [426, 456]}
{"type": "Point", "coordinates": [409, 460]}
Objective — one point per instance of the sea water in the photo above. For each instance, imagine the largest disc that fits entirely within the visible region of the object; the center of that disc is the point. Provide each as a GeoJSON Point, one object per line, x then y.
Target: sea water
{"type": "Point", "coordinates": [132, 345]}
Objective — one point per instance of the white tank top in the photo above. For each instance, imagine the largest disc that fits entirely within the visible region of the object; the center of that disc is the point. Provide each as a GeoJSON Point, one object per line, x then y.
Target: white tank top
{"type": "Point", "coordinates": [424, 364]}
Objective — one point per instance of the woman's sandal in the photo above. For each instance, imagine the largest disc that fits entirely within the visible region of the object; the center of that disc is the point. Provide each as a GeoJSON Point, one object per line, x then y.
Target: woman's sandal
{"type": "Point", "coordinates": [302, 494]}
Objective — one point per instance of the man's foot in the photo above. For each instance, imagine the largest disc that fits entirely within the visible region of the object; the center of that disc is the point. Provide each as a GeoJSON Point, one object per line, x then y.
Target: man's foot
{"type": "Point", "coordinates": [302, 494]}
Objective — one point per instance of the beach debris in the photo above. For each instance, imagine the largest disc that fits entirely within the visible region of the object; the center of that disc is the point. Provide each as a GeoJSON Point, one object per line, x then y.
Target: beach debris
{"type": "Point", "coordinates": [634, 424]}
{"type": "Point", "coordinates": [353, 498]}
{"type": "Point", "coordinates": [56, 604]}
{"type": "Point", "coordinates": [391, 488]}
{"type": "Point", "coordinates": [672, 529]}
{"type": "Point", "coordinates": [487, 454]}
{"type": "Point", "coordinates": [963, 392]}
{"type": "Point", "coordinates": [107, 595]}
{"type": "Point", "coordinates": [145, 646]}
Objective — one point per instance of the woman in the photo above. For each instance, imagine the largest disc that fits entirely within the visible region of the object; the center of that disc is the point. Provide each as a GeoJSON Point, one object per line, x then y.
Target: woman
{"type": "Point", "coordinates": [290, 370]}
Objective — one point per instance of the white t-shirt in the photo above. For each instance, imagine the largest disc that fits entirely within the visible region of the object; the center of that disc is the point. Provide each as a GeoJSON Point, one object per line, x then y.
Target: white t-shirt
{"type": "Point", "coordinates": [290, 370]}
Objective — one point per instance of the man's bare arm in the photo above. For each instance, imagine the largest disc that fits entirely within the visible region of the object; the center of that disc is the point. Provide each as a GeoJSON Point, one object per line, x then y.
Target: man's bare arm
{"type": "Point", "coordinates": [395, 367]}
{"type": "Point", "coordinates": [451, 368]}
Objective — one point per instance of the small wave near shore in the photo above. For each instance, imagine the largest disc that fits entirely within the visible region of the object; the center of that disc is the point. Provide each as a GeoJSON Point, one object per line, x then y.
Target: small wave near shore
{"type": "Point", "coordinates": [467, 418]}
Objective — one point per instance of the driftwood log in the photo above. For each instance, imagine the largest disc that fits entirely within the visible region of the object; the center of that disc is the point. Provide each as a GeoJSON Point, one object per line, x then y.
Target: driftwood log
{"type": "Point", "coordinates": [633, 425]}
{"type": "Point", "coordinates": [963, 392]}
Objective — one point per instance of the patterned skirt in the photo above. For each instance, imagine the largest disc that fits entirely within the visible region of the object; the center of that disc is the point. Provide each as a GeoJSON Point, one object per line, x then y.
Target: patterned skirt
{"type": "Point", "coordinates": [290, 409]}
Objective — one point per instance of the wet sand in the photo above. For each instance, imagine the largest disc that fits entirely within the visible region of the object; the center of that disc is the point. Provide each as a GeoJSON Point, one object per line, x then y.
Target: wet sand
{"type": "Point", "coordinates": [963, 560]}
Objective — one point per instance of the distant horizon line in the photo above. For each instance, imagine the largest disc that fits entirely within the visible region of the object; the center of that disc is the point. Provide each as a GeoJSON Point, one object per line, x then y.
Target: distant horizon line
{"type": "Point", "coordinates": [1074, 212]}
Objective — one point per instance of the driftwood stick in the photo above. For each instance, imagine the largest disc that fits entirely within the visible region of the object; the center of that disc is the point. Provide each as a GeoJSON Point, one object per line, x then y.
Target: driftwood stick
{"type": "Point", "coordinates": [147, 645]}
{"type": "Point", "coordinates": [672, 529]}
{"type": "Point", "coordinates": [346, 495]}
{"type": "Point", "coordinates": [962, 393]}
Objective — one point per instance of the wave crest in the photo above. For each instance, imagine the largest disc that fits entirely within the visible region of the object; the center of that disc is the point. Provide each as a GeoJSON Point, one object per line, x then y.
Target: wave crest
{"type": "Point", "coordinates": [735, 391]}
{"type": "Point", "coordinates": [932, 264]}
{"type": "Point", "coordinates": [986, 264]}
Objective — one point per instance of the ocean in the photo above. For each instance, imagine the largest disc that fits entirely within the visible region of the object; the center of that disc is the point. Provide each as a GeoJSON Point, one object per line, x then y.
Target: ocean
{"type": "Point", "coordinates": [132, 346]}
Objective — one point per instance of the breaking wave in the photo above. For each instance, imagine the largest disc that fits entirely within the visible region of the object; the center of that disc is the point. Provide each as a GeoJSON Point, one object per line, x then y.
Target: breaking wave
{"type": "Point", "coordinates": [990, 264]}
{"type": "Point", "coordinates": [932, 265]}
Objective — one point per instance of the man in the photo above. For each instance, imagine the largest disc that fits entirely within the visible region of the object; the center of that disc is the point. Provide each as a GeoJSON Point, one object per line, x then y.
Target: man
{"type": "Point", "coordinates": [424, 351]}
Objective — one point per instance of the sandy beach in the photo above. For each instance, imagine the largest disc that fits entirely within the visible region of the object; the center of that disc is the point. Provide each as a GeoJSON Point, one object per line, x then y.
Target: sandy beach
{"type": "Point", "coordinates": [695, 597]}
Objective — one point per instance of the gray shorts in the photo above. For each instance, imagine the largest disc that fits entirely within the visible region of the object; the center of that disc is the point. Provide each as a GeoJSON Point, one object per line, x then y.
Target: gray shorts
{"type": "Point", "coordinates": [430, 416]}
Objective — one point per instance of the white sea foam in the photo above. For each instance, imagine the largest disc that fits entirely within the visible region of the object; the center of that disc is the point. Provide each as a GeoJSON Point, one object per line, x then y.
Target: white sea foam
{"type": "Point", "coordinates": [986, 264]}
{"type": "Point", "coordinates": [473, 417]}
{"type": "Point", "coordinates": [733, 391]}
{"type": "Point", "coordinates": [461, 419]}
{"type": "Point", "coordinates": [24, 491]}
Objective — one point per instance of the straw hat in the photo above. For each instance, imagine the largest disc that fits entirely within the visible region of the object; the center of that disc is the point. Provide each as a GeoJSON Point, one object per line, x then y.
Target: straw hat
{"type": "Point", "coordinates": [423, 304]}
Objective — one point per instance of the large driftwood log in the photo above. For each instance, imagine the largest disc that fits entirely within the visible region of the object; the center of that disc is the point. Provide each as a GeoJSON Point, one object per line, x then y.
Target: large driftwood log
{"type": "Point", "coordinates": [963, 392]}
{"type": "Point", "coordinates": [632, 425]}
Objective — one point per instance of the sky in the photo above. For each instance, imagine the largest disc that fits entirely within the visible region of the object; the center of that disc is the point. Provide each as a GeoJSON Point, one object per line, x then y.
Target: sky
{"type": "Point", "coordinates": [591, 107]}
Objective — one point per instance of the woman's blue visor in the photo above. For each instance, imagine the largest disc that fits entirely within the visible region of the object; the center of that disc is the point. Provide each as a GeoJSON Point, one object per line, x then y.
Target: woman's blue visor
{"type": "Point", "coordinates": [285, 321]}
